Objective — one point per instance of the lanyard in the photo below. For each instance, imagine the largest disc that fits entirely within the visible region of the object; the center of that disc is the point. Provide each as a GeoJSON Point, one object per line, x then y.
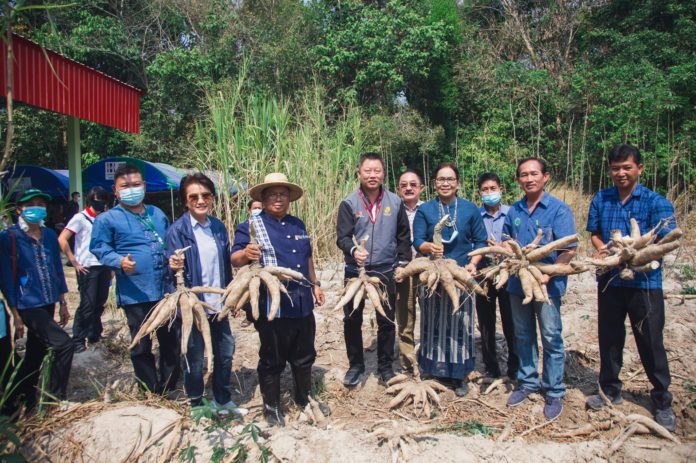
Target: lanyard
{"type": "Point", "coordinates": [369, 206]}
{"type": "Point", "coordinates": [147, 222]}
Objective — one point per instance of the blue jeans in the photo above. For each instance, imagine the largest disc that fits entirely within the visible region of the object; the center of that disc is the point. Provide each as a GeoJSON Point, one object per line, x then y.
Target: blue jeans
{"type": "Point", "coordinates": [223, 350]}
{"type": "Point", "coordinates": [524, 318]}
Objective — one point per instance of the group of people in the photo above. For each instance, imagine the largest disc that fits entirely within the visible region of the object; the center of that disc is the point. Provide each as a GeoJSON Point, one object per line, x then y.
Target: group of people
{"type": "Point", "coordinates": [135, 242]}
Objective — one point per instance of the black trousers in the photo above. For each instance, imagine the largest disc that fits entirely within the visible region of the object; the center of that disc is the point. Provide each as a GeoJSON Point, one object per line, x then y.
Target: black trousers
{"type": "Point", "coordinates": [94, 291]}
{"type": "Point", "coordinates": [286, 340]}
{"type": "Point", "coordinates": [646, 312]}
{"type": "Point", "coordinates": [386, 329]}
{"type": "Point", "coordinates": [486, 314]}
{"type": "Point", "coordinates": [142, 357]}
{"type": "Point", "coordinates": [43, 332]}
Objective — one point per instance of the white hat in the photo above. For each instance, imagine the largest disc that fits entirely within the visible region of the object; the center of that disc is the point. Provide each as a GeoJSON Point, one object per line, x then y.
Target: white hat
{"type": "Point", "coordinates": [276, 179]}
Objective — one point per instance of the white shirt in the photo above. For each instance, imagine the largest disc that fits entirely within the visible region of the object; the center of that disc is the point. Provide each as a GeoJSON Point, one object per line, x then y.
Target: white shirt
{"type": "Point", "coordinates": [81, 225]}
{"type": "Point", "coordinates": [209, 260]}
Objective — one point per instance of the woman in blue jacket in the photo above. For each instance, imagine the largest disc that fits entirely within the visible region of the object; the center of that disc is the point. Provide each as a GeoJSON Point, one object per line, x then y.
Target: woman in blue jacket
{"type": "Point", "coordinates": [205, 263]}
{"type": "Point", "coordinates": [33, 282]}
{"type": "Point", "coordinates": [447, 339]}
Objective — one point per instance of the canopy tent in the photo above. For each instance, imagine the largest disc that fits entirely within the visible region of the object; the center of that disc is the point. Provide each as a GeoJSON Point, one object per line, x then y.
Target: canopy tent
{"type": "Point", "coordinates": [157, 176]}
{"type": "Point", "coordinates": [53, 182]}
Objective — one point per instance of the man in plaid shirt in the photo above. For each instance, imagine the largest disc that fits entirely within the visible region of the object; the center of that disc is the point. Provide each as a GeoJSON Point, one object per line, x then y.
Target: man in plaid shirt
{"type": "Point", "coordinates": [641, 298]}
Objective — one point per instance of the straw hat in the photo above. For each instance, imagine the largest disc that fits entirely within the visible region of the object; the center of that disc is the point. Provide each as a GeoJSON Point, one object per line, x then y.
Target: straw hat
{"type": "Point", "coordinates": [276, 179]}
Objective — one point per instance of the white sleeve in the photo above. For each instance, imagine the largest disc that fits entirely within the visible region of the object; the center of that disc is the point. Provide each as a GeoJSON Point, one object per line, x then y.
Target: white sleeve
{"type": "Point", "coordinates": [76, 223]}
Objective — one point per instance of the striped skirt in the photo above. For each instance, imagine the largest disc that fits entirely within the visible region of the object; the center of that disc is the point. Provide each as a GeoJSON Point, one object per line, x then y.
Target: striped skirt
{"type": "Point", "coordinates": [446, 340]}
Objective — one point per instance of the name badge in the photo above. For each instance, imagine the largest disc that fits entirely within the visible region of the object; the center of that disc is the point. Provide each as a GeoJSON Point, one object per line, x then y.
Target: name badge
{"type": "Point", "coordinates": [387, 211]}
{"type": "Point", "coordinates": [301, 237]}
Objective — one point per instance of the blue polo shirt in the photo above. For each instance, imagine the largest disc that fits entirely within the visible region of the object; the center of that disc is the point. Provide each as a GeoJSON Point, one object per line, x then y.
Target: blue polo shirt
{"type": "Point", "coordinates": [555, 219]}
{"type": "Point", "coordinates": [119, 232]}
{"type": "Point", "coordinates": [293, 249]}
{"type": "Point", "coordinates": [39, 278]}
{"type": "Point", "coordinates": [607, 214]}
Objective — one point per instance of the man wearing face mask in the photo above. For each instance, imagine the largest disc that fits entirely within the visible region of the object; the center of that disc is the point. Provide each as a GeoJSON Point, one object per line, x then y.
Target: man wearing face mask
{"type": "Point", "coordinates": [32, 280]}
{"type": "Point", "coordinates": [92, 278]}
{"type": "Point", "coordinates": [129, 239]}
{"type": "Point", "coordinates": [493, 213]}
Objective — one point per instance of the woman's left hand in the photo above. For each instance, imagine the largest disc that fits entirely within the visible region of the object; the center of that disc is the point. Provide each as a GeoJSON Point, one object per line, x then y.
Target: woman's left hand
{"type": "Point", "coordinates": [318, 296]}
{"type": "Point", "coordinates": [63, 313]}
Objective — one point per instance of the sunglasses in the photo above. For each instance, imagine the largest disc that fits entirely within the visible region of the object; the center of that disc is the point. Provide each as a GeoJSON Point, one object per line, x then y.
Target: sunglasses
{"type": "Point", "coordinates": [197, 197]}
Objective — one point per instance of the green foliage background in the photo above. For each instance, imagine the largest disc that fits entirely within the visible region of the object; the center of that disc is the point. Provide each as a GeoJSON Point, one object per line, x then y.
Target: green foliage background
{"type": "Point", "coordinates": [481, 82]}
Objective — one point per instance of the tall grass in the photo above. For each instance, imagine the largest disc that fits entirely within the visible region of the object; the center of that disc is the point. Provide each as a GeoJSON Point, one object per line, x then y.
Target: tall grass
{"type": "Point", "coordinates": [248, 135]}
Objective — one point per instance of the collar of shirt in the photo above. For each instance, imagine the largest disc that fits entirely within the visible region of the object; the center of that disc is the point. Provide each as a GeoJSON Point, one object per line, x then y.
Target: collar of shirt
{"type": "Point", "coordinates": [502, 211]}
{"type": "Point", "coordinates": [415, 208]}
{"type": "Point", "coordinates": [637, 192]}
{"type": "Point", "coordinates": [195, 223]}
{"type": "Point", "coordinates": [88, 211]}
{"type": "Point", "coordinates": [544, 202]}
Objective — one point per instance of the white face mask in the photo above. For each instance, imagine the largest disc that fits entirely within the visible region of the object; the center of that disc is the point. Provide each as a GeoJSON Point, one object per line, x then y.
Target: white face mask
{"type": "Point", "coordinates": [256, 212]}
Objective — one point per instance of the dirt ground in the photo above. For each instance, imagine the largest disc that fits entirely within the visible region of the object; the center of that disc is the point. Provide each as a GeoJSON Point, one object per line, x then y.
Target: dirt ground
{"type": "Point", "coordinates": [463, 430]}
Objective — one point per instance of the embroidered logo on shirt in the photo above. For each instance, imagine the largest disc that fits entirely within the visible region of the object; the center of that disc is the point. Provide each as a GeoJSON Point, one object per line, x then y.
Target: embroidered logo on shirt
{"type": "Point", "coordinates": [517, 222]}
{"type": "Point", "coordinates": [387, 211]}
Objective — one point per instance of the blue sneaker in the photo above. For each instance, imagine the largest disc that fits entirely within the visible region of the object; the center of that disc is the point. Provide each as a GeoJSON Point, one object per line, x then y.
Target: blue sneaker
{"type": "Point", "coordinates": [518, 396]}
{"type": "Point", "coordinates": [553, 408]}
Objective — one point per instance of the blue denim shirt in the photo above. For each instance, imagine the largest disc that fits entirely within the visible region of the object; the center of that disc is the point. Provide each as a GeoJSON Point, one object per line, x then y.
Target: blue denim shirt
{"type": "Point", "coordinates": [3, 321]}
{"type": "Point", "coordinates": [472, 232]}
{"type": "Point", "coordinates": [293, 249]}
{"type": "Point", "coordinates": [647, 207]}
{"type": "Point", "coordinates": [39, 280]}
{"type": "Point", "coordinates": [119, 232]}
{"type": "Point", "coordinates": [556, 220]}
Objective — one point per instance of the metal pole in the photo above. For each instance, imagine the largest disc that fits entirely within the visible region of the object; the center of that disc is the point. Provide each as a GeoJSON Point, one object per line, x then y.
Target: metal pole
{"type": "Point", "coordinates": [74, 157]}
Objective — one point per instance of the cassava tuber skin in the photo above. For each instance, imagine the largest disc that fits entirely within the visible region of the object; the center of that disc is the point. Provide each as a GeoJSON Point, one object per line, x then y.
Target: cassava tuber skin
{"type": "Point", "coordinates": [524, 262]}
{"type": "Point", "coordinates": [636, 253]}
{"type": "Point", "coordinates": [248, 283]}
{"type": "Point", "coordinates": [363, 287]}
{"type": "Point", "coordinates": [422, 393]}
{"type": "Point", "coordinates": [440, 272]}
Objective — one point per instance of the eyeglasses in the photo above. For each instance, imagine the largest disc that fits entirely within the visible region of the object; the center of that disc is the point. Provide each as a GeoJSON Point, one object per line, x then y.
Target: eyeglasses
{"type": "Point", "coordinates": [276, 196]}
{"type": "Point", "coordinates": [197, 197]}
{"type": "Point", "coordinates": [406, 185]}
{"type": "Point", "coordinates": [442, 180]}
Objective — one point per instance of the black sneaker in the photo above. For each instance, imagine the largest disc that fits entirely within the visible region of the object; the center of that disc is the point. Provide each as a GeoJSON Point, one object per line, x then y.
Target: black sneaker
{"type": "Point", "coordinates": [665, 418]}
{"type": "Point", "coordinates": [386, 375]}
{"type": "Point", "coordinates": [273, 415]}
{"type": "Point", "coordinates": [353, 375]}
{"type": "Point", "coordinates": [595, 402]}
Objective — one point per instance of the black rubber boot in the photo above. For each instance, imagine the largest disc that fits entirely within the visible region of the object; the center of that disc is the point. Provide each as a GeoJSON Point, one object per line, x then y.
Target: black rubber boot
{"type": "Point", "coordinates": [270, 390]}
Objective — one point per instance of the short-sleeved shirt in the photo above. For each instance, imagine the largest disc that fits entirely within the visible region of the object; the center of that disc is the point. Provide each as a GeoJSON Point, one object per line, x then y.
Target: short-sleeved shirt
{"type": "Point", "coordinates": [648, 208]}
{"type": "Point", "coordinates": [81, 225]}
{"type": "Point", "coordinates": [292, 249]}
{"type": "Point", "coordinates": [494, 222]}
{"type": "Point", "coordinates": [556, 221]}
{"type": "Point", "coordinates": [208, 259]}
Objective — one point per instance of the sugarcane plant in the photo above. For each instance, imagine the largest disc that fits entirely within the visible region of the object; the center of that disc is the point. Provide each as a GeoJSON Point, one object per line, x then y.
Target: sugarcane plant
{"type": "Point", "coordinates": [524, 262]}
{"type": "Point", "coordinates": [186, 302]}
{"type": "Point", "coordinates": [246, 285]}
{"type": "Point", "coordinates": [636, 252]}
{"type": "Point", "coordinates": [437, 271]}
{"type": "Point", "coordinates": [363, 287]}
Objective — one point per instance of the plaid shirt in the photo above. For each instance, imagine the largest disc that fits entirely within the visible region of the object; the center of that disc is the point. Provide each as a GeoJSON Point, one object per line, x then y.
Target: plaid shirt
{"type": "Point", "coordinates": [647, 207]}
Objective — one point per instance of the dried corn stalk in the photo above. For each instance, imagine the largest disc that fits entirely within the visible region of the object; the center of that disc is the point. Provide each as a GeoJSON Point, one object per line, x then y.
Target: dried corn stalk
{"type": "Point", "coordinates": [192, 310]}
{"type": "Point", "coordinates": [363, 287]}
{"type": "Point", "coordinates": [434, 271]}
{"type": "Point", "coordinates": [247, 283]}
{"type": "Point", "coordinates": [636, 252]}
{"type": "Point", "coordinates": [523, 261]}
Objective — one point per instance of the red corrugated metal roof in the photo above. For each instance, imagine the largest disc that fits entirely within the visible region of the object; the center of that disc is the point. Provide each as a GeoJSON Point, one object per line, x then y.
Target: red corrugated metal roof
{"type": "Point", "coordinates": [74, 89]}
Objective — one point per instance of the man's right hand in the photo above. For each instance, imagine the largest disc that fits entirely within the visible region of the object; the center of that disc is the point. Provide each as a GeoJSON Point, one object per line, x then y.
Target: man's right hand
{"type": "Point", "coordinates": [360, 257]}
{"type": "Point", "coordinates": [252, 252]}
{"type": "Point", "coordinates": [128, 264]}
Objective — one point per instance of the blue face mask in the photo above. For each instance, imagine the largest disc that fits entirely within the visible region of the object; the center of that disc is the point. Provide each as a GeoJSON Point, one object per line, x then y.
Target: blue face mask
{"type": "Point", "coordinates": [132, 196]}
{"type": "Point", "coordinates": [491, 199]}
{"type": "Point", "coordinates": [256, 212]}
{"type": "Point", "coordinates": [34, 214]}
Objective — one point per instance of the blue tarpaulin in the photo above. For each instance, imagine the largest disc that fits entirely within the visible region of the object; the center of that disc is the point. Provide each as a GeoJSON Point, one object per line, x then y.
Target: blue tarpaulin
{"type": "Point", "coordinates": [53, 182]}
{"type": "Point", "coordinates": [157, 176]}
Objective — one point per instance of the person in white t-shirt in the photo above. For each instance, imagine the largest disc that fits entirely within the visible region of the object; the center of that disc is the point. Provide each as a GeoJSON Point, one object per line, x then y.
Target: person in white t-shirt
{"type": "Point", "coordinates": [93, 279]}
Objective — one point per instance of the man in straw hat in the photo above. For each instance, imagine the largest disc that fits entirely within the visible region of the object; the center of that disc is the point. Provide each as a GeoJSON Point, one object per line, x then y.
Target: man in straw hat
{"type": "Point", "coordinates": [282, 241]}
